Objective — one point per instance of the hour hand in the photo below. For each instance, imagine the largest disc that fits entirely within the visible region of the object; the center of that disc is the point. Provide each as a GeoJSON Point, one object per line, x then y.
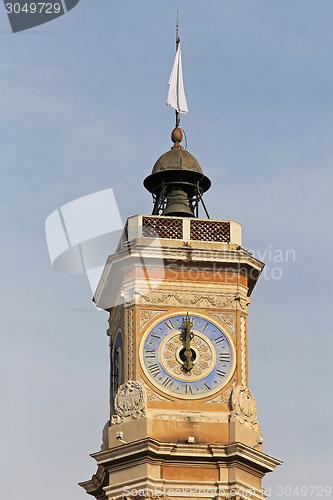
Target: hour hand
{"type": "Point", "coordinates": [188, 335]}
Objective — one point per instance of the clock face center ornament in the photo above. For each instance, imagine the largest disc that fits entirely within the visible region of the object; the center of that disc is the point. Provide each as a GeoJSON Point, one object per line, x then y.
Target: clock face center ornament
{"type": "Point", "coordinates": [173, 359]}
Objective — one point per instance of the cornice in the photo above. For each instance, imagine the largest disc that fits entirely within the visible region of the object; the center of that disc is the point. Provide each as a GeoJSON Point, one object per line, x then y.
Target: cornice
{"type": "Point", "coordinates": [170, 452]}
{"type": "Point", "coordinates": [183, 251]}
{"type": "Point", "coordinates": [95, 484]}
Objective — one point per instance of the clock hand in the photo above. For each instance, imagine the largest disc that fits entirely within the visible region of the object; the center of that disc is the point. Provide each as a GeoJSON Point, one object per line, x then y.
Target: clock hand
{"type": "Point", "coordinates": [187, 326]}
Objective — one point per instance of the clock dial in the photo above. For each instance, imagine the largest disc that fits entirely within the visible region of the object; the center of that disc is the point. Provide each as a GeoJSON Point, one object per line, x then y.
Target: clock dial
{"type": "Point", "coordinates": [189, 357]}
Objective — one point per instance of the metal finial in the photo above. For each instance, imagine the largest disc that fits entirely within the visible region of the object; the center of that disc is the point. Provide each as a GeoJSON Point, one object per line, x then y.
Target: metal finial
{"type": "Point", "coordinates": [177, 43]}
{"type": "Point", "coordinates": [177, 32]}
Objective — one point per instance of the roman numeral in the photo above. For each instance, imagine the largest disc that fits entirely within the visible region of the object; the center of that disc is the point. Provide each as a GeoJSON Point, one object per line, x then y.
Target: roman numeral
{"type": "Point", "coordinates": [154, 369]}
{"type": "Point", "coordinates": [188, 389]}
{"type": "Point", "coordinates": [207, 387]}
{"type": "Point", "coordinates": [205, 327]}
{"type": "Point", "coordinates": [167, 383]}
{"type": "Point", "coordinates": [155, 336]}
{"type": "Point", "coordinates": [150, 353]}
{"type": "Point", "coordinates": [219, 340]}
{"type": "Point", "coordinates": [220, 373]}
{"type": "Point", "coordinates": [224, 356]}
{"type": "Point", "coordinates": [169, 324]}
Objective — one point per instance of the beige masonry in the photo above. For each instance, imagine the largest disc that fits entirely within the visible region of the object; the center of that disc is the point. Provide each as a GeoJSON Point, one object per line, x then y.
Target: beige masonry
{"type": "Point", "coordinates": [157, 442]}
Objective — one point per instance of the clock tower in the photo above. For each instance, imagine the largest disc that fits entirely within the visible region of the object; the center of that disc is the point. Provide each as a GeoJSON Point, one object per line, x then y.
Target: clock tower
{"type": "Point", "coordinates": [183, 421]}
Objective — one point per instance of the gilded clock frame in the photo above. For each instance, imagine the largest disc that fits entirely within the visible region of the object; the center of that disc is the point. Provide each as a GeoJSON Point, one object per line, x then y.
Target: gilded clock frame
{"type": "Point", "coordinates": [220, 326]}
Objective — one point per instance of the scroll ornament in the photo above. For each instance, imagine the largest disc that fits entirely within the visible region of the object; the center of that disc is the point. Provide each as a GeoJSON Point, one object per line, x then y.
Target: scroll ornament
{"type": "Point", "coordinates": [130, 401]}
{"type": "Point", "coordinates": [244, 406]}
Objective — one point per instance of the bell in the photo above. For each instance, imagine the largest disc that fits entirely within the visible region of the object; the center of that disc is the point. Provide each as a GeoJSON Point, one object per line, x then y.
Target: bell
{"type": "Point", "coordinates": [176, 179]}
{"type": "Point", "coordinates": [177, 204]}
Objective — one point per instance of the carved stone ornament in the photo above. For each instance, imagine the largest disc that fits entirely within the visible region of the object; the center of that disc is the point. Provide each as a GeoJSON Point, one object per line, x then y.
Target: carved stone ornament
{"type": "Point", "coordinates": [244, 406]}
{"type": "Point", "coordinates": [225, 397]}
{"type": "Point", "coordinates": [152, 395]}
{"type": "Point", "coordinates": [114, 320]}
{"type": "Point", "coordinates": [227, 319]}
{"type": "Point", "coordinates": [128, 295]}
{"type": "Point", "coordinates": [115, 419]}
{"type": "Point", "coordinates": [148, 314]}
{"type": "Point", "coordinates": [131, 400]}
{"type": "Point", "coordinates": [145, 494]}
{"type": "Point", "coordinates": [242, 301]}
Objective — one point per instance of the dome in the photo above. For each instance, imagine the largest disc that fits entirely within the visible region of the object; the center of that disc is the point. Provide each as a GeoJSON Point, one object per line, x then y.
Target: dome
{"type": "Point", "coordinates": [177, 159]}
{"type": "Point", "coordinates": [177, 166]}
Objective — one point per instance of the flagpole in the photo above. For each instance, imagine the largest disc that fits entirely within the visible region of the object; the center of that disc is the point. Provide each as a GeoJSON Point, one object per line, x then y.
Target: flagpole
{"type": "Point", "coordinates": [177, 43]}
{"type": "Point", "coordinates": [176, 94]}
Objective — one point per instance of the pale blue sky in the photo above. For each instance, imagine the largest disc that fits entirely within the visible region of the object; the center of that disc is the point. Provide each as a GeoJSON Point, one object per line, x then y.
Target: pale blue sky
{"type": "Point", "coordinates": [83, 109]}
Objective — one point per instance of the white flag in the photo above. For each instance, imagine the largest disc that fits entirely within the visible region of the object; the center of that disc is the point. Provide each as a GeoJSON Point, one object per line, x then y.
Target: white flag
{"type": "Point", "coordinates": [176, 95]}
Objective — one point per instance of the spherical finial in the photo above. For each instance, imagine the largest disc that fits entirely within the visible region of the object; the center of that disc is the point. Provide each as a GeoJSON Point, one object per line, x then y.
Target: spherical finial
{"type": "Point", "coordinates": [176, 135]}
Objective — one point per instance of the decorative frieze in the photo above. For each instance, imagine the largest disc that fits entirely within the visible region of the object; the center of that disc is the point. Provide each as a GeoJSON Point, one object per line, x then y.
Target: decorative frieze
{"type": "Point", "coordinates": [218, 417]}
{"type": "Point", "coordinates": [134, 295]}
{"type": "Point", "coordinates": [145, 494]}
{"type": "Point", "coordinates": [192, 299]}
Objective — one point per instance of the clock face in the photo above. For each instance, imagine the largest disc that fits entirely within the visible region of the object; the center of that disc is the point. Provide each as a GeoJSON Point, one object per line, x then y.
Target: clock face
{"type": "Point", "coordinates": [187, 357]}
